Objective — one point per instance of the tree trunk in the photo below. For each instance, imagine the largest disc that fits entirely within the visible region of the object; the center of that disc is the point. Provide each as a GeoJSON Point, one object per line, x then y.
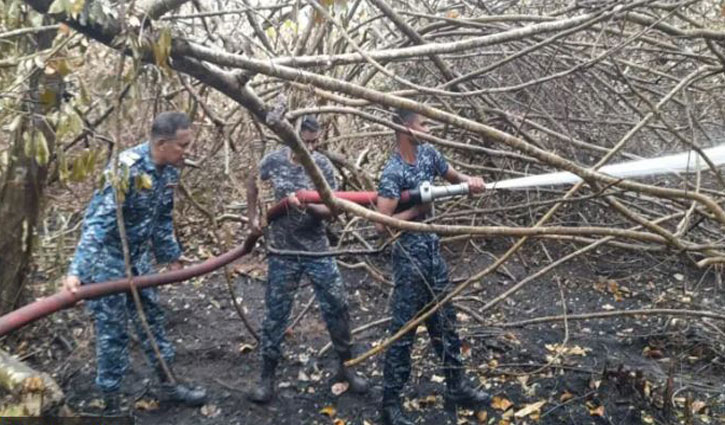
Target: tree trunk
{"type": "Point", "coordinates": [24, 180]}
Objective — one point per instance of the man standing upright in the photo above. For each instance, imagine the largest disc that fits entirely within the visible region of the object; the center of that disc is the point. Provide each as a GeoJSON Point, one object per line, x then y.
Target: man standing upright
{"type": "Point", "coordinates": [420, 273]}
{"type": "Point", "coordinates": [300, 229]}
{"type": "Point", "coordinates": [151, 170]}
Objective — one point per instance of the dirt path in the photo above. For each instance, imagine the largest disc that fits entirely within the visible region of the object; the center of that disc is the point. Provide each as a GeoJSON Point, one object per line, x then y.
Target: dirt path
{"type": "Point", "coordinates": [610, 372]}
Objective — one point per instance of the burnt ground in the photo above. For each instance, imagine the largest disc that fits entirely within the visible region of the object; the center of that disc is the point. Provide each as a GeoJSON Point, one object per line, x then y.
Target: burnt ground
{"type": "Point", "coordinates": [613, 371]}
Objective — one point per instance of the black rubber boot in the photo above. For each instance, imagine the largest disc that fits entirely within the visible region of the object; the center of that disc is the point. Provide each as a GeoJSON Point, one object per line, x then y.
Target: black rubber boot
{"type": "Point", "coordinates": [264, 391]}
{"type": "Point", "coordinates": [393, 414]}
{"type": "Point", "coordinates": [179, 393]}
{"type": "Point", "coordinates": [358, 384]}
{"type": "Point", "coordinates": [187, 395]}
{"type": "Point", "coordinates": [463, 394]}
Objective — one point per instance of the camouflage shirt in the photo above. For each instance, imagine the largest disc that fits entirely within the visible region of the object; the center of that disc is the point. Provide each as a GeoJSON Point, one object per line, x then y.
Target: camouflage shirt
{"type": "Point", "coordinates": [399, 176]}
{"type": "Point", "coordinates": [296, 230]}
{"type": "Point", "coordinates": [147, 210]}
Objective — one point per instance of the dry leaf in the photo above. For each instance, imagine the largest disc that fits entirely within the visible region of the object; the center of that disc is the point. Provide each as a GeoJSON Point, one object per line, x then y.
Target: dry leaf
{"type": "Point", "coordinates": [147, 405]}
{"type": "Point", "coordinates": [340, 387]}
{"type": "Point", "coordinates": [652, 353]}
{"type": "Point", "coordinates": [428, 401]}
{"type": "Point", "coordinates": [97, 403]}
{"type": "Point", "coordinates": [328, 411]}
{"type": "Point", "coordinates": [210, 410]}
{"type": "Point", "coordinates": [437, 378]}
{"type": "Point", "coordinates": [500, 403]}
{"type": "Point", "coordinates": [529, 409]}
{"type": "Point", "coordinates": [465, 349]}
{"type": "Point", "coordinates": [566, 396]}
{"type": "Point", "coordinates": [482, 416]}
{"type": "Point", "coordinates": [245, 348]}
{"type": "Point", "coordinates": [566, 350]}
{"type": "Point", "coordinates": [599, 411]}
{"type": "Point", "coordinates": [698, 406]}
{"type": "Point", "coordinates": [338, 421]}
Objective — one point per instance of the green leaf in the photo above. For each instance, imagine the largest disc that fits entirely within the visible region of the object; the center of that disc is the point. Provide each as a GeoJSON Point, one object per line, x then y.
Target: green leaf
{"type": "Point", "coordinates": [28, 148]}
{"type": "Point", "coordinates": [162, 48]}
{"type": "Point", "coordinates": [76, 8]}
{"type": "Point", "coordinates": [101, 181]}
{"type": "Point", "coordinates": [77, 174]}
{"type": "Point", "coordinates": [42, 153]}
{"type": "Point", "coordinates": [84, 98]}
{"type": "Point", "coordinates": [89, 161]}
{"type": "Point", "coordinates": [15, 124]}
{"type": "Point", "coordinates": [59, 6]}
{"type": "Point", "coordinates": [14, 14]}
{"type": "Point", "coordinates": [63, 170]}
{"type": "Point", "coordinates": [48, 98]}
{"type": "Point", "coordinates": [143, 182]}
{"type": "Point", "coordinates": [75, 123]}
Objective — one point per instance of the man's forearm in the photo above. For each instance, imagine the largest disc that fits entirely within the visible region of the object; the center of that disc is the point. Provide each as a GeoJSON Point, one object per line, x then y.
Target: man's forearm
{"type": "Point", "coordinates": [320, 211]}
{"type": "Point", "coordinates": [412, 213]}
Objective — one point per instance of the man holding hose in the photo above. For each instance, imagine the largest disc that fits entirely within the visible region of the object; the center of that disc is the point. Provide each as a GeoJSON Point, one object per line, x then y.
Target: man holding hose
{"type": "Point", "coordinates": [420, 273]}
{"type": "Point", "coordinates": [148, 174]}
{"type": "Point", "coordinates": [300, 229]}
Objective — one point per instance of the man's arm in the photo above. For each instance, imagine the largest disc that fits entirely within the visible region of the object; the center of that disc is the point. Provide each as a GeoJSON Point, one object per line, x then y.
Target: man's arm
{"type": "Point", "coordinates": [475, 184]}
{"type": "Point", "coordinates": [387, 206]}
{"type": "Point", "coordinates": [166, 247]}
{"type": "Point", "coordinates": [98, 223]}
{"type": "Point", "coordinates": [320, 211]}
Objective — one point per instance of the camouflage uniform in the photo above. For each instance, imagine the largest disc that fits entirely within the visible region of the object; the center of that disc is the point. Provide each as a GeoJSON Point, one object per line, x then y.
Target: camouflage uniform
{"type": "Point", "coordinates": [421, 276]}
{"type": "Point", "coordinates": [147, 210]}
{"type": "Point", "coordinates": [300, 231]}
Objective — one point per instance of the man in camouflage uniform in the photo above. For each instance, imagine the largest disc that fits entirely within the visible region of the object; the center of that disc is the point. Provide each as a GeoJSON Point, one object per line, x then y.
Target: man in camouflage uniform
{"type": "Point", "coordinates": [420, 273]}
{"type": "Point", "coordinates": [300, 229]}
{"type": "Point", "coordinates": [152, 173]}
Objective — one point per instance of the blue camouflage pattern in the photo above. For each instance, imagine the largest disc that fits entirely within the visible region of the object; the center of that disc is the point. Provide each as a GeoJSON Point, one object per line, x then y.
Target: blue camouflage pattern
{"type": "Point", "coordinates": [399, 176]}
{"type": "Point", "coordinates": [147, 210]}
{"type": "Point", "coordinates": [300, 231]}
{"type": "Point", "coordinates": [284, 275]}
{"type": "Point", "coordinates": [421, 278]}
{"type": "Point", "coordinates": [295, 230]}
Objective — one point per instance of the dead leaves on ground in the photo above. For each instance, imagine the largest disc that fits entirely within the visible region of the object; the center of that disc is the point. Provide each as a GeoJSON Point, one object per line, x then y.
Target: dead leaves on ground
{"type": "Point", "coordinates": [331, 413]}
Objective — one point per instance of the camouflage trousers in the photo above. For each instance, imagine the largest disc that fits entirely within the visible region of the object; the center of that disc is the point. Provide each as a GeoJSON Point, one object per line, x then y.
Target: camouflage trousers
{"type": "Point", "coordinates": [421, 276]}
{"type": "Point", "coordinates": [112, 314]}
{"type": "Point", "coordinates": [284, 274]}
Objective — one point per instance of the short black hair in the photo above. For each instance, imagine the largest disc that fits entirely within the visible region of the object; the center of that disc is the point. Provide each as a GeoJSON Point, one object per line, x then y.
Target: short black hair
{"type": "Point", "coordinates": [166, 124]}
{"type": "Point", "coordinates": [404, 116]}
{"type": "Point", "coordinates": [310, 123]}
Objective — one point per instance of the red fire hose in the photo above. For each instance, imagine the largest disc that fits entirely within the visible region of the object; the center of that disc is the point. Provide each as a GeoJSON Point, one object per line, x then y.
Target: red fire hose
{"type": "Point", "coordinates": [64, 299]}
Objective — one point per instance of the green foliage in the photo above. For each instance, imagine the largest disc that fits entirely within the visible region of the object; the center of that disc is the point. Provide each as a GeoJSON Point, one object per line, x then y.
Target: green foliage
{"type": "Point", "coordinates": [83, 166]}
{"type": "Point", "coordinates": [162, 49]}
{"type": "Point", "coordinates": [36, 146]}
{"type": "Point", "coordinates": [13, 14]}
{"type": "Point", "coordinates": [71, 8]}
